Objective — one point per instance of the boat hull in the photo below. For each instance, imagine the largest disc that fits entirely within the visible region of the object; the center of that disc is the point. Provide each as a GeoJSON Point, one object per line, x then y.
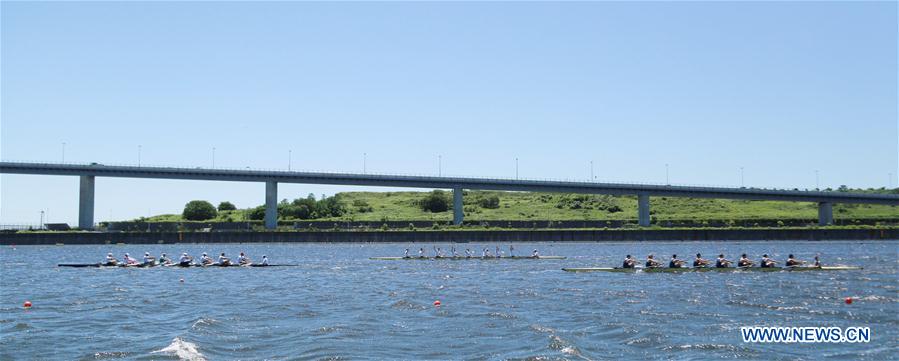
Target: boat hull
{"type": "Point", "coordinates": [710, 269]}
{"type": "Point", "coordinates": [465, 258]}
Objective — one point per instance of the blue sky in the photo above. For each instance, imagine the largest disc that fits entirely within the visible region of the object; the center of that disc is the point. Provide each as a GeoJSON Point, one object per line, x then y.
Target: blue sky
{"type": "Point", "coordinates": [780, 89]}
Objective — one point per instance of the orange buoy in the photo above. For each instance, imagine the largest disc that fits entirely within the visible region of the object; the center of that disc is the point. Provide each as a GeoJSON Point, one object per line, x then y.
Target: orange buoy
{"type": "Point", "coordinates": [27, 304]}
{"type": "Point", "coordinates": [848, 300]}
{"type": "Point", "coordinates": [437, 303]}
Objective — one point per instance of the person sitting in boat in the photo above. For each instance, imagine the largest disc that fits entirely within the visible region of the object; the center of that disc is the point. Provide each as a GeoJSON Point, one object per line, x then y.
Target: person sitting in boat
{"type": "Point", "coordinates": [264, 261]}
{"type": "Point", "coordinates": [535, 254]}
{"type": "Point", "coordinates": [511, 251]}
{"type": "Point", "coordinates": [629, 262]}
{"type": "Point", "coordinates": [675, 263]}
{"type": "Point", "coordinates": [421, 252]}
{"type": "Point", "coordinates": [699, 262]}
{"type": "Point", "coordinates": [652, 263]}
{"type": "Point", "coordinates": [224, 261]}
{"type": "Point", "coordinates": [766, 262]}
{"type": "Point", "coordinates": [438, 253]}
{"type": "Point", "coordinates": [148, 259]}
{"type": "Point", "coordinates": [721, 262]}
{"type": "Point", "coordinates": [486, 252]}
{"type": "Point", "coordinates": [406, 253]}
{"type": "Point", "coordinates": [453, 251]}
{"type": "Point", "coordinates": [110, 260]}
{"type": "Point", "coordinates": [206, 260]}
{"type": "Point", "coordinates": [497, 253]}
{"type": "Point", "coordinates": [744, 261]}
{"type": "Point", "coordinates": [164, 259]}
{"type": "Point", "coordinates": [243, 260]}
{"type": "Point", "coordinates": [467, 253]}
{"type": "Point", "coordinates": [185, 260]}
{"type": "Point", "coordinates": [817, 262]}
{"type": "Point", "coordinates": [128, 260]}
{"type": "Point", "coordinates": [793, 262]}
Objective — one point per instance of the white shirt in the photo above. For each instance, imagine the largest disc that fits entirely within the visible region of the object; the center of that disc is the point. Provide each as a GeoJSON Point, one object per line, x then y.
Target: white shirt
{"type": "Point", "coordinates": [243, 259]}
{"type": "Point", "coordinates": [184, 258]}
{"type": "Point", "coordinates": [265, 260]}
{"type": "Point", "coordinates": [148, 259]}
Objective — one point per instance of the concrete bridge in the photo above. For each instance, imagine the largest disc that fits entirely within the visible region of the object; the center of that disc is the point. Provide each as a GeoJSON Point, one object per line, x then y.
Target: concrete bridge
{"type": "Point", "coordinates": [89, 172]}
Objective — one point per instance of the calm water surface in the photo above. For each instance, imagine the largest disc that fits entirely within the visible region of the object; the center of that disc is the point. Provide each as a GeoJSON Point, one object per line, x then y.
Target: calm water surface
{"type": "Point", "coordinates": [340, 305]}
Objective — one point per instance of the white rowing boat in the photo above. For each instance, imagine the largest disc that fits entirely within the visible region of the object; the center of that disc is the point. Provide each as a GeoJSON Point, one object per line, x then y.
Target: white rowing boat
{"type": "Point", "coordinates": [711, 269]}
{"type": "Point", "coordinates": [465, 258]}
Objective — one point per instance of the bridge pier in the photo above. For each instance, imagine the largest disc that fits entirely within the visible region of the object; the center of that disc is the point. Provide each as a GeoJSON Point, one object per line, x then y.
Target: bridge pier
{"type": "Point", "coordinates": [458, 212]}
{"type": "Point", "coordinates": [86, 202]}
{"type": "Point", "coordinates": [825, 213]}
{"type": "Point", "coordinates": [271, 205]}
{"type": "Point", "coordinates": [643, 209]}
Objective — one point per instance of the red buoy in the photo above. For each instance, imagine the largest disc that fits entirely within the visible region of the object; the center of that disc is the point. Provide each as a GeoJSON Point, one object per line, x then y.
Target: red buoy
{"type": "Point", "coordinates": [437, 303]}
{"type": "Point", "coordinates": [27, 304]}
{"type": "Point", "coordinates": [848, 300]}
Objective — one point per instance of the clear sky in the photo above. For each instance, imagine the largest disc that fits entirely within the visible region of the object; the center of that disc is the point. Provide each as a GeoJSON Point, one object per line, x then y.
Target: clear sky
{"type": "Point", "coordinates": [780, 89]}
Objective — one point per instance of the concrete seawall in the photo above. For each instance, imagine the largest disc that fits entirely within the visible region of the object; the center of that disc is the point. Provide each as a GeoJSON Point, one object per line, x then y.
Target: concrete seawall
{"type": "Point", "coordinates": [453, 236]}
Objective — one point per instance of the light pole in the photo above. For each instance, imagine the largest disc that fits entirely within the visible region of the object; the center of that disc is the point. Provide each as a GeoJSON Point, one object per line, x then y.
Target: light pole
{"type": "Point", "coordinates": [516, 168]}
{"type": "Point", "coordinates": [816, 180]}
{"type": "Point", "coordinates": [591, 171]}
{"type": "Point", "coordinates": [741, 178]}
{"type": "Point", "coordinates": [364, 165]}
{"type": "Point", "coordinates": [213, 157]}
{"type": "Point", "coordinates": [42, 220]}
{"type": "Point", "coordinates": [63, 152]}
{"type": "Point", "coordinates": [138, 155]}
{"type": "Point", "coordinates": [667, 182]}
{"type": "Point", "coordinates": [289, 158]}
{"type": "Point", "coordinates": [890, 181]}
{"type": "Point", "coordinates": [439, 165]}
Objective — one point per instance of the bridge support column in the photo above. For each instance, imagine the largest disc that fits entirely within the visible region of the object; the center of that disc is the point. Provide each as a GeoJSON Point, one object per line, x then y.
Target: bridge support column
{"type": "Point", "coordinates": [271, 205]}
{"type": "Point", "coordinates": [643, 210]}
{"type": "Point", "coordinates": [86, 202]}
{"type": "Point", "coordinates": [825, 213]}
{"type": "Point", "coordinates": [458, 212]}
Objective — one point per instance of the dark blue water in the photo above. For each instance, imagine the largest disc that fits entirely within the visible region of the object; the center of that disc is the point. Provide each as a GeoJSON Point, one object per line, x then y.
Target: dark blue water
{"type": "Point", "coordinates": [341, 305]}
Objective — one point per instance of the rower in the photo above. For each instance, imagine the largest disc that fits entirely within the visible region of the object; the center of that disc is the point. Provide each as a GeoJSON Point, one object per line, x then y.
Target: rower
{"type": "Point", "coordinates": [675, 263]}
{"type": "Point", "coordinates": [438, 253]}
{"type": "Point", "coordinates": [629, 262]}
{"type": "Point", "coordinates": [205, 260]}
{"type": "Point", "coordinates": [652, 263]}
{"type": "Point", "coordinates": [128, 260]}
{"type": "Point", "coordinates": [148, 259]}
{"type": "Point", "coordinates": [817, 262]}
{"type": "Point", "coordinates": [744, 261]}
{"type": "Point", "coordinates": [406, 253]}
{"type": "Point", "coordinates": [467, 253]}
{"type": "Point", "coordinates": [264, 261]}
{"type": "Point", "coordinates": [453, 250]}
{"type": "Point", "coordinates": [163, 259]}
{"type": "Point", "coordinates": [421, 252]}
{"type": "Point", "coordinates": [185, 260]}
{"type": "Point", "coordinates": [243, 260]}
{"type": "Point", "coordinates": [767, 262]}
{"type": "Point", "coordinates": [497, 254]}
{"type": "Point", "coordinates": [721, 262]}
{"type": "Point", "coordinates": [792, 262]}
{"type": "Point", "coordinates": [486, 252]}
{"type": "Point", "coordinates": [535, 254]}
{"type": "Point", "coordinates": [110, 260]}
{"type": "Point", "coordinates": [699, 262]}
{"type": "Point", "coordinates": [224, 261]}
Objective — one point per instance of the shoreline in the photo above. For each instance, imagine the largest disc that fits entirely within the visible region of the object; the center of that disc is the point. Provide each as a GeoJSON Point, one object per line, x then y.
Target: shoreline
{"type": "Point", "coordinates": [491, 236]}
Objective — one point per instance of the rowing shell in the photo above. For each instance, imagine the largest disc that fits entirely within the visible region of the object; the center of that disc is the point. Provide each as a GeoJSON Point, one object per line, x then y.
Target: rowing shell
{"type": "Point", "coordinates": [101, 265]}
{"type": "Point", "coordinates": [711, 269]}
{"type": "Point", "coordinates": [462, 258]}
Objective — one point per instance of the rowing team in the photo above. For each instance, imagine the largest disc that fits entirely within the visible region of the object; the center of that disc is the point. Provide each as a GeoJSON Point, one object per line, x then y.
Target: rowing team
{"type": "Point", "coordinates": [721, 262]}
{"type": "Point", "coordinates": [184, 261]}
{"type": "Point", "coordinates": [439, 253]}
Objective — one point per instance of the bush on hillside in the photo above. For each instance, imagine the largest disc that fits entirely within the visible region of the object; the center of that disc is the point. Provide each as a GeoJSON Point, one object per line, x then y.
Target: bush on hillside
{"type": "Point", "coordinates": [198, 211]}
{"type": "Point", "coordinates": [226, 206]}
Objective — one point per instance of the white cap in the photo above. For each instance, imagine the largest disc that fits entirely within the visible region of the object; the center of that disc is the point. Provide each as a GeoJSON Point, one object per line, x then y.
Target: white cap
{"type": "Point", "coordinates": [146, 253]}
{"type": "Point", "coordinates": [184, 254]}
{"type": "Point", "coordinates": [204, 253]}
{"type": "Point", "coordinates": [109, 254]}
{"type": "Point", "coordinates": [126, 254]}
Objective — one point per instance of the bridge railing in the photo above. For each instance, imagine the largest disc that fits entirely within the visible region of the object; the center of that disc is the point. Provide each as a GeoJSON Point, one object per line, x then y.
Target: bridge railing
{"type": "Point", "coordinates": [427, 175]}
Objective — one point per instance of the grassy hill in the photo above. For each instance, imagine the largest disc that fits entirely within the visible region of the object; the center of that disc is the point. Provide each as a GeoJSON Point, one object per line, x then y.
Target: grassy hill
{"type": "Point", "coordinates": [395, 206]}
